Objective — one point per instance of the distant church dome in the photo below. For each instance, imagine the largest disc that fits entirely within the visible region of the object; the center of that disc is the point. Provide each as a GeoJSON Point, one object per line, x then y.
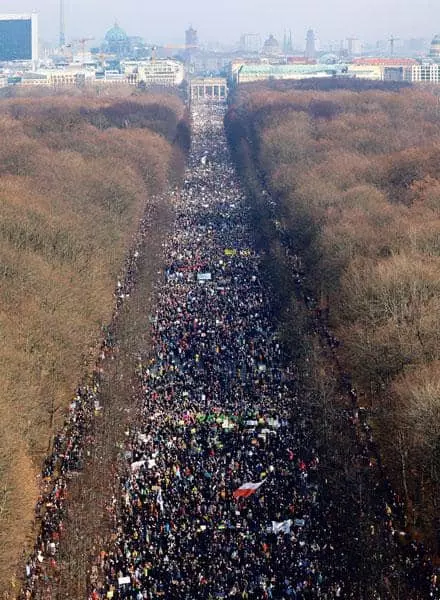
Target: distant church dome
{"type": "Point", "coordinates": [271, 46]}
{"type": "Point", "coordinates": [117, 41]}
{"type": "Point", "coordinates": [116, 34]}
{"type": "Point", "coordinates": [435, 48]}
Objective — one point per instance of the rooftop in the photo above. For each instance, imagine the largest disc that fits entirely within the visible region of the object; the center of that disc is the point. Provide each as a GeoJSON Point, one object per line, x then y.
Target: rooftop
{"type": "Point", "coordinates": [116, 34]}
{"type": "Point", "coordinates": [274, 70]}
{"type": "Point", "coordinates": [385, 62]}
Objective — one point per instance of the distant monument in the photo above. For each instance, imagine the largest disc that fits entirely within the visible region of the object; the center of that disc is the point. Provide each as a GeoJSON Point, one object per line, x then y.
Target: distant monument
{"type": "Point", "coordinates": [310, 44]}
{"type": "Point", "coordinates": [117, 42]}
{"type": "Point", "coordinates": [271, 46]}
{"type": "Point", "coordinates": [288, 43]}
{"type": "Point", "coordinates": [191, 38]}
{"type": "Point", "coordinates": [434, 51]}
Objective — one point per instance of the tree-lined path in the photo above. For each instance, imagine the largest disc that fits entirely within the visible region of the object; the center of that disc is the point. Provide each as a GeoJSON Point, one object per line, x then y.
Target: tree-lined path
{"type": "Point", "coordinates": [224, 495]}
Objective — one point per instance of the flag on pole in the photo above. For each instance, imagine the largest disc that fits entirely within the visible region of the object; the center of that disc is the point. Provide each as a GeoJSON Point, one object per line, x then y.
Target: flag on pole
{"type": "Point", "coordinates": [282, 526]}
{"type": "Point", "coordinates": [247, 489]}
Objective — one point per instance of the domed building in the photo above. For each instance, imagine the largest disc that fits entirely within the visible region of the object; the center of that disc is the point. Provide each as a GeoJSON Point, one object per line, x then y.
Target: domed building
{"type": "Point", "coordinates": [271, 46]}
{"type": "Point", "coordinates": [117, 42]}
{"type": "Point", "coordinates": [434, 52]}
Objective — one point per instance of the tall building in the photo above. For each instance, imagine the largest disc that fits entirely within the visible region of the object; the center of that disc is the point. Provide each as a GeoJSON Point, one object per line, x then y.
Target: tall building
{"type": "Point", "coordinates": [354, 47]}
{"type": "Point", "coordinates": [18, 37]}
{"type": "Point", "coordinates": [310, 44]}
{"type": "Point", "coordinates": [415, 46]}
{"type": "Point", "coordinates": [250, 42]}
{"type": "Point", "coordinates": [271, 46]}
{"type": "Point", "coordinates": [191, 38]}
{"type": "Point", "coordinates": [288, 43]}
{"type": "Point", "coordinates": [434, 51]}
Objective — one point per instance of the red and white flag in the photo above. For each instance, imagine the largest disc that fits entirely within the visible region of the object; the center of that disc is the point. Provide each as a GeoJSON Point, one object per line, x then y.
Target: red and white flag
{"type": "Point", "coordinates": [247, 489]}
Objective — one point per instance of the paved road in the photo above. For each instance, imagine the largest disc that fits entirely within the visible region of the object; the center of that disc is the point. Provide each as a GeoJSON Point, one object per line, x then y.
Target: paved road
{"type": "Point", "coordinates": [223, 495]}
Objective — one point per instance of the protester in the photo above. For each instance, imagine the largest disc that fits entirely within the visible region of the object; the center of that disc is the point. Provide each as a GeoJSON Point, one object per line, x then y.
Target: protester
{"type": "Point", "coordinates": [222, 497]}
{"type": "Point", "coordinates": [224, 494]}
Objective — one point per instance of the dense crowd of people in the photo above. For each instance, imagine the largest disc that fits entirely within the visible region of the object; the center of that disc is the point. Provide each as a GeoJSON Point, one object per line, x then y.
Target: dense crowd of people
{"type": "Point", "coordinates": [223, 492]}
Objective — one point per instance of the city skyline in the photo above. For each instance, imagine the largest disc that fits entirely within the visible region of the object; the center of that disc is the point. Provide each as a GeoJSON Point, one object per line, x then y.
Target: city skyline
{"type": "Point", "coordinates": [227, 21]}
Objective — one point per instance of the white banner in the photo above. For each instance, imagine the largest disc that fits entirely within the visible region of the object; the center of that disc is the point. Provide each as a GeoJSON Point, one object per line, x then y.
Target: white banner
{"type": "Point", "coordinates": [282, 526]}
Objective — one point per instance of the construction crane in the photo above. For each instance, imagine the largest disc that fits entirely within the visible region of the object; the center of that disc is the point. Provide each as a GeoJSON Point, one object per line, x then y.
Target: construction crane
{"type": "Point", "coordinates": [82, 42]}
{"type": "Point", "coordinates": [62, 39]}
{"type": "Point", "coordinates": [392, 40]}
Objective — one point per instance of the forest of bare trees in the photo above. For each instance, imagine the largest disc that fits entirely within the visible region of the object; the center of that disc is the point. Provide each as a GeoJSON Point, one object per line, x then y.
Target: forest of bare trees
{"type": "Point", "coordinates": [76, 174]}
{"type": "Point", "coordinates": [355, 174]}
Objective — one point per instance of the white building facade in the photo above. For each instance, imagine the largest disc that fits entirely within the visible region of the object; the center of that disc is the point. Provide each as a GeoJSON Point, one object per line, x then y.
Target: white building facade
{"type": "Point", "coordinates": [423, 73]}
{"type": "Point", "coordinates": [163, 72]}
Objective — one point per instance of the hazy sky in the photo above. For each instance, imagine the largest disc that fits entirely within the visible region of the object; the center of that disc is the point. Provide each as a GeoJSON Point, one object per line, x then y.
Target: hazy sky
{"type": "Point", "coordinates": [165, 21]}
